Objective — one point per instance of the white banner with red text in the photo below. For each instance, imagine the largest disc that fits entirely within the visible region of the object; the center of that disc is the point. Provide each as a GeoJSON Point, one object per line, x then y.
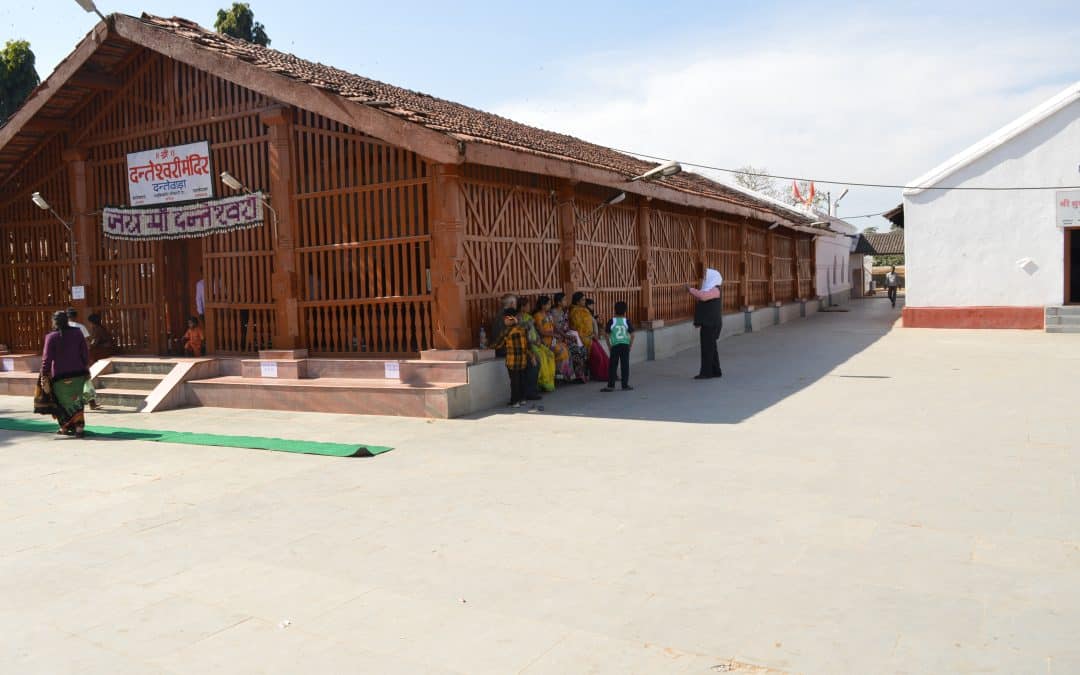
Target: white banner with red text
{"type": "Point", "coordinates": [179, 173]}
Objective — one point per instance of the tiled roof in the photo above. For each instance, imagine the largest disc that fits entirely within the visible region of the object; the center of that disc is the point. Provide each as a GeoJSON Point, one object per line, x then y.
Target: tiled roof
{"type": "Point", "coordinates": [454, 119]}
{"type": "Point", "coordinates": [881, 243]}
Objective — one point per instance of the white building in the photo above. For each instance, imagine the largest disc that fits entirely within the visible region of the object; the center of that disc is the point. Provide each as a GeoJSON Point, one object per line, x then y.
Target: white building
{"type": "Point", "coordinates": [999, 259]}
{"type": "Point", "coordinates": [834, 260]}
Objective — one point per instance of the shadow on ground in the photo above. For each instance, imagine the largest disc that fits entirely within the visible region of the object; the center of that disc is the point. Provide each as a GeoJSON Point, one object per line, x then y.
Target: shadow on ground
{"type": "Point", "coordinates": [760, 370]}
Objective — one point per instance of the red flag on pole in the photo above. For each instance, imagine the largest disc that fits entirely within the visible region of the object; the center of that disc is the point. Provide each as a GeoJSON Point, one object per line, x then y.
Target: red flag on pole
{"type": "Point", "coordinates": [810, 198]}
{"type": "Point", "coordinates": [795, 191]}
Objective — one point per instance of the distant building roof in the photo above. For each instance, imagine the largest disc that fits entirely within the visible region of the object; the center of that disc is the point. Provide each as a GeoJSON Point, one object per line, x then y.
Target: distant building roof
{"type": "Point", "coordinates": [881, 243]}
{"type": "Point", "coordinates": [896, 215]}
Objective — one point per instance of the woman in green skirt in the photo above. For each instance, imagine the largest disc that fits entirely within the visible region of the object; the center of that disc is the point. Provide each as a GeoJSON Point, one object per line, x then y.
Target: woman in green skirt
{"type": "Point", "coordinates": [66, 362]}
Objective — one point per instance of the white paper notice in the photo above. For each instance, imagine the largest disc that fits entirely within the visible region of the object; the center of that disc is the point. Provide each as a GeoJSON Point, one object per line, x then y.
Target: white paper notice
{"type": "Point", "coordinates": [392, 370]}
{"type": "Point", "coordinates": [9, 365]}
{"type": "Point", "coordinates": [268, 368]}
{"type": "Point", "coordinates": [78, 292]}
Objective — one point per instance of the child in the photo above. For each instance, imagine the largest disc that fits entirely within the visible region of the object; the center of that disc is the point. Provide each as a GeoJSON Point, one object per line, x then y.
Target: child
{"type": "Point", "coordinates": [620, 336]}
{"type": "Point", "coordinates": [518, 355]}
{"type": "Point", "coordinates": [193, 339]}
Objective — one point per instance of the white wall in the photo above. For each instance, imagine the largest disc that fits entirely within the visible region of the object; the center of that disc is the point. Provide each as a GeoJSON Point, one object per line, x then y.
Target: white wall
{"type": "Point", "coordinates": [833, 262]}
{"type": "Point", "coordinates": [962, 248]}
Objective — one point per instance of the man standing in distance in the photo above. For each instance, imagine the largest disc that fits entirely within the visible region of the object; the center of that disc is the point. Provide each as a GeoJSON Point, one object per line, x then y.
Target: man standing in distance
{"type": "Point", "coordinates": [892, 282]}
{"type": "Point", "coordinates": [709, 318]}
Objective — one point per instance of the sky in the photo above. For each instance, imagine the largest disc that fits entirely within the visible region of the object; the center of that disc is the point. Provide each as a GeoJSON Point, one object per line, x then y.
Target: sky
{"type": "Point", "coordinates": [846, 91]}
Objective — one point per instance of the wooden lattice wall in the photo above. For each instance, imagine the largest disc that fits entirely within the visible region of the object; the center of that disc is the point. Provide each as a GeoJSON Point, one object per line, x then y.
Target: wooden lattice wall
{"type": "Point", "coordinates": [723, 252]}
{"type": "Point", "coordinates": [757, 264]}
{"type": "Point", "coordinates": [35, 262]}
{"type": "Point", "coordinates": [511, 238]}
{"type": "Point", "coordinates": [364, 239]}
{"type": "Point", "coordinates": [608, 248]}
{"type": "Point", "coordinates": [783, 266]}
{"type": "Point", "coordinates": [164, 102]}
{"type": "Point", "coordinates": [805, 249]}
{"type": "Point", "coordinates": [674, 260]}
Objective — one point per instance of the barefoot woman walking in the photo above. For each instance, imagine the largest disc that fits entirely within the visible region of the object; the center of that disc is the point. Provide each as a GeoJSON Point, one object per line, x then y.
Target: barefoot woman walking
{"type": "Point", "coordinates": [66, 363]}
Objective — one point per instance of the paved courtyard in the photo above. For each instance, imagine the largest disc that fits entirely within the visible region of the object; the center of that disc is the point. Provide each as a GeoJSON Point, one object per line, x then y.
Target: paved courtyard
{"type": "Point", "coordinates": [851, 497]}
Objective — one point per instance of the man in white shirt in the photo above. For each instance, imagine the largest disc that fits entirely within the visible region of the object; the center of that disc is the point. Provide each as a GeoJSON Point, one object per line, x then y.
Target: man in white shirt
{"type": "Point", "coordinates": [72, 315]}
{"type": "Point", "coordinates": [892, 282]}
{"type": "Point", "coordinates": [200, 298]}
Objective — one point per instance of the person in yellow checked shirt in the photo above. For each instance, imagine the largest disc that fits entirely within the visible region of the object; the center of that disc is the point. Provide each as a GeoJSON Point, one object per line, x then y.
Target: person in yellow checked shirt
{"type": "Point", "coordinates": [518, 355]}
{"type": "Point", "coordinates": [620, 334]}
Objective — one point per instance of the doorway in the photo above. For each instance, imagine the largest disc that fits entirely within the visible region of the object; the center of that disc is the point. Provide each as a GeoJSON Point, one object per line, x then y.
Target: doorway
{"type": "Point", "coordinates": [182, 270]}
{"type": "Point", "coordinates": [1072, 266]}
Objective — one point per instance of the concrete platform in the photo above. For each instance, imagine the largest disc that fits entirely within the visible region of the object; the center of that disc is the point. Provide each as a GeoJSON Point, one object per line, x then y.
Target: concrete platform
{"type": "Point", "coordinates": [849, 498]}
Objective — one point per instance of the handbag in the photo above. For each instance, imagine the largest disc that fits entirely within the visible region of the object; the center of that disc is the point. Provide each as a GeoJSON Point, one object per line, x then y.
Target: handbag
{"type": "Point", "coordinates": [44, 399]}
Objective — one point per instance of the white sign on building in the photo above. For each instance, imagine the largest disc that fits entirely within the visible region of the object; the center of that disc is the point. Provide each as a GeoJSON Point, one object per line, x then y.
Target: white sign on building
{"type": "Point", "coordinates": [178, 173]}
{"type": "Point", "coordinates": [1068, 208]}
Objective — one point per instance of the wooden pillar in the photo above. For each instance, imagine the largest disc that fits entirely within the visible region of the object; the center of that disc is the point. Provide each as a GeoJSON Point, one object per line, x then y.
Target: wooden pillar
{"type": "Point", "coordinates": [798, 270]}
{"type": "Point", "coordinates": [570, 270]}
{"type": "Point", "coordinates": [744, 263]}
{"type": "Point", "coordinates": [449, 276]}
{"type": "Point", "coordinates": [769, 266]}
{"type": "Point", "coordinates": [284, 286]}
{"type": "Point", "coordinates": [82, 225]}
{"type": "Point", "coordinates": [646, 271]}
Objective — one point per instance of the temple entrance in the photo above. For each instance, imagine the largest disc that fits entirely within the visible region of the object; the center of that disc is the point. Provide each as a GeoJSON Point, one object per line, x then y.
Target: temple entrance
{"type": "Point", "coordinates": [182, 270]}
{"type": "Point", "coordinates": [1072, 266]}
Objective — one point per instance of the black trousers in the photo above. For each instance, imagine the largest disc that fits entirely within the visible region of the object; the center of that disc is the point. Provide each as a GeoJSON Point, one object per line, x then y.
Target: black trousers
{"type": "Point", "coordinates": [620, 358]}
{"type": "Point", "coordinates": [532, 380]}
{"type": "Point", "coordinates": [517, 384]}
{"type": "Point", "coordinates": [710, 357]}
{"type": "Point", "coordinates": [892, 295]}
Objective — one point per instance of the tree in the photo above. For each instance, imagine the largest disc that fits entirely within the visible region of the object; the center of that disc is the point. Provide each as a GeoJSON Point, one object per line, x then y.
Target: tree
{"type": "Point", "coordinates": [18, 77]}
{"type": "Point", "coordinates": [870, 230]}
{"type": "Point", "coordinates": [758, 180]}
{"type": "Point", "coordinates": [239, 22]}
{"type": "Point", "coordinates": [754, 178]}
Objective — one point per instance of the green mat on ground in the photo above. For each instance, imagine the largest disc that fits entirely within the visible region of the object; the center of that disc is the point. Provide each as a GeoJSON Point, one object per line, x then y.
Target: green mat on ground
{"type": "Point", "coordinates": [189, 438]}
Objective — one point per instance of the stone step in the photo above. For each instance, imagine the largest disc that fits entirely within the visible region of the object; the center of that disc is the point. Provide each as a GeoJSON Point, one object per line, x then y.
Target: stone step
{"type": "Point", "coordinates": [1063, 329]}
{"type": "Point", "coordinates": [335, 395]}
{"type": "Point", "coordinates": [132, 366]}
{"type": "Point", "coordinates": [20, 363]}
{"type": "Point", "coordinates": [131, 399]}
{"type": "Point", "coordinates": [1064, 310]}
{"type": "Point", "coordinates": [17, 384]}
{"type": "Point", "coordinates": [1063, 320]}
{"type": "Point", "coordinates": [134, 381]}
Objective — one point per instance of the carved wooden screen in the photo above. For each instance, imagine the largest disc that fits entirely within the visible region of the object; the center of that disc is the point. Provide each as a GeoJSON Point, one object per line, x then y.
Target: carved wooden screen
{"type": "Point", "coordinates": [723, 252]}
{"type": "Point", "coordinates": [673, 258]}
{"type": "Point", "coordinates": [757, 260]}
{"type": "Point", "coordinates": [364, 241]}
{"type": "Point", "coordinates": [783, 266]}
{"type": "Point", "coordinates": [608, 249]}
{"type": "Point", "coordinates": [511, 238]}
{"type": "Point", "coordinates": [35, 262]}
{"type": "Point", "coordinates": [163, 102]}
{"type": "Point", "coordinates": [806, 267]}
{"type": "Point", "coordinates": [124, 285]}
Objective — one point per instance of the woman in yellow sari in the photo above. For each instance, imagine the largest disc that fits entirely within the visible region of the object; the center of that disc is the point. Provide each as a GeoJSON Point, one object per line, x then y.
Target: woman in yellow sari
{"type": "Point", "coordinates": [546, 325]}
{"type": "Point", "coordinates": [581, 320]}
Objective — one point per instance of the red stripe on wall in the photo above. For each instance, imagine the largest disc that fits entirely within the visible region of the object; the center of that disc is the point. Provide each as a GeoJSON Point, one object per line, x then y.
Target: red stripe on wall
{"type": "Point", "coordinates": [974, 317]}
